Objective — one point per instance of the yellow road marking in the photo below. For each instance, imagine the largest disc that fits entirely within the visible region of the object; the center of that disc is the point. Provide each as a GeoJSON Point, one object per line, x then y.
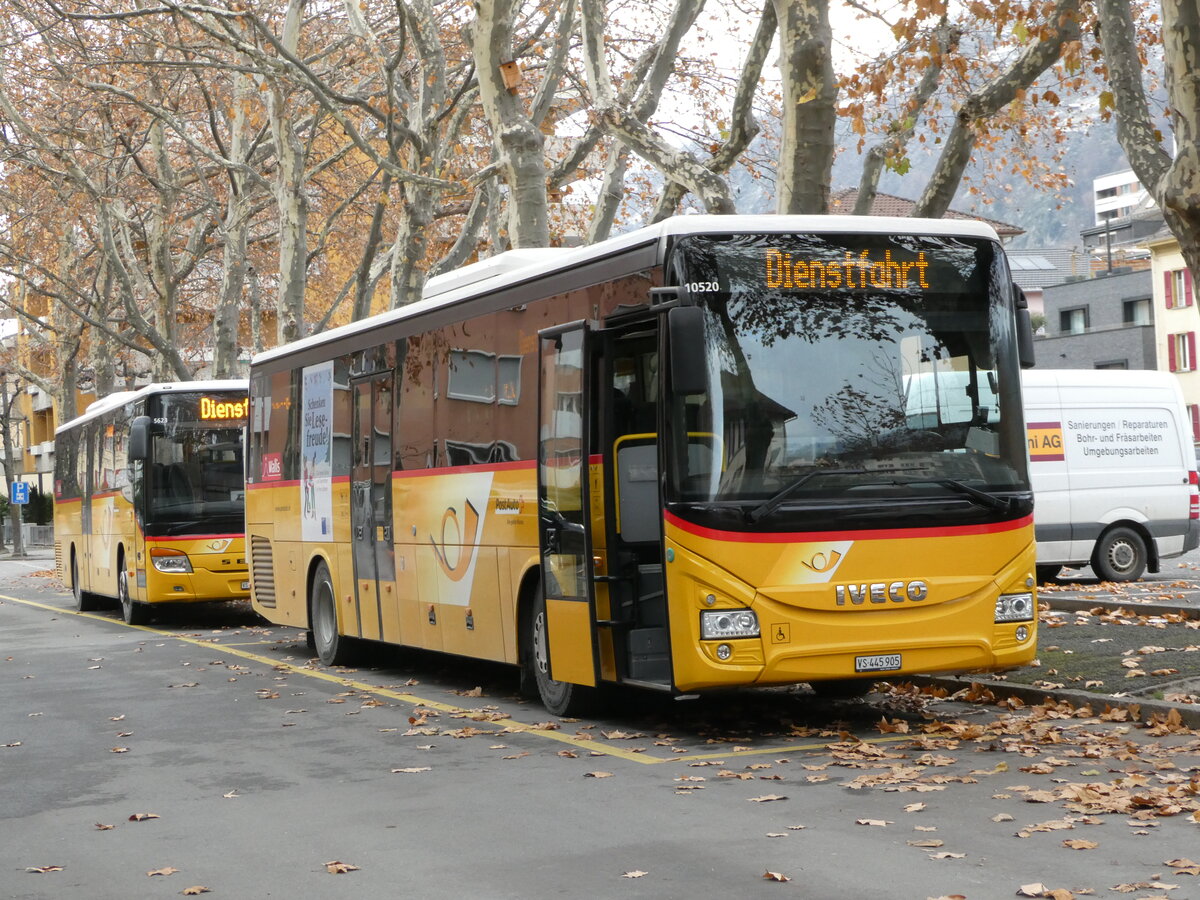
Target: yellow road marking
{"type": "Point", "coordinates": [512, 725]}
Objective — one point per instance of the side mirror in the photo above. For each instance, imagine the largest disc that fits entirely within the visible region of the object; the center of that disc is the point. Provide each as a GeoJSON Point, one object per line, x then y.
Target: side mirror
{"type": "Point", "coordinates": [1024, 329]}
{"type": "Point", "coordinates": [139, 439]}
{"type": "Point", "coordinates": [689, 371]}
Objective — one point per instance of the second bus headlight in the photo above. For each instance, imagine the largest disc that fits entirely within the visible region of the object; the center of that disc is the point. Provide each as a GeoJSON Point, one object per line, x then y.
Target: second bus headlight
{"type": "Point", "coordinates": [173, 562]}
{"type": "Point", "coordinates": [718, 624]}
{"type": "Point", "coordinates": [1014, 608]}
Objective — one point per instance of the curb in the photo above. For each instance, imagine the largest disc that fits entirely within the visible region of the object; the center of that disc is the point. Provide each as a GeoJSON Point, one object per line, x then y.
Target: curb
{"type": "Point", "coordinates": [1189, 713]}
{"type": "Point", "coordinates": [1073, 604]}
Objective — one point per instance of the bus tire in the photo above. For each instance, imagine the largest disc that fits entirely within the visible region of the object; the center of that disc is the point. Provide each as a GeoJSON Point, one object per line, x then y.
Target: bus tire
{"type": "Point", "coordinates": [1047, 574]}
{"type": "Point", "coordinates": [1120, 555]}
{"type": "Point", "coordinates": [85, 601]}
{"type": "Point", "coordinates": [333, 648]}
{"type": "Point", "coordinates": [132, 612]}
{"type": "Point", "coordinates": [561, 698]}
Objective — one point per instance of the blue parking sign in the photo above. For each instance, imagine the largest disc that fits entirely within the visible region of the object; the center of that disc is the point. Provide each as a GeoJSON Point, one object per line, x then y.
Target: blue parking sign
{"type": "Point", "coordinates": [19, 492]}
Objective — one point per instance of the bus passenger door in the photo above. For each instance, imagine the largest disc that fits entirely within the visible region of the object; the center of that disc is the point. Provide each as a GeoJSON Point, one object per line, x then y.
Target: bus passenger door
{"type": "Point", "coordinates": [563, 503]}
{"type": "Point", "coordinates": [371, 535]}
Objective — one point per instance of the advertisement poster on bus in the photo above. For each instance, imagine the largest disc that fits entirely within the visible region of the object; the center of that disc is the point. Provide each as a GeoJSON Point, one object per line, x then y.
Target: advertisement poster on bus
{"type": "Point", "coordinates": [316, 454]}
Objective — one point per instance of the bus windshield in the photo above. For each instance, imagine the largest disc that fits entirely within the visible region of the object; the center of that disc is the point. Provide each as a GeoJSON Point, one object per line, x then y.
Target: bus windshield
{"type": "Point", "coordinates": [850, 370]}
{"type": "Point", "coordinates": [194, 477]}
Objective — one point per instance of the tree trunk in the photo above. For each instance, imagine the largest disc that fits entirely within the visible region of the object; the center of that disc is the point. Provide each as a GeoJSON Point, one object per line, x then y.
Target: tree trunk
{"type": "Point", "coordinates": [809, 106]}
{"type": "Point", "coordinates": [519, 142]}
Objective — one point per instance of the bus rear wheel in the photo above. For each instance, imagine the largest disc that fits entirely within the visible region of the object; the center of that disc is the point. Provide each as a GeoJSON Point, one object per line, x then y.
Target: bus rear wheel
{"type": "Point", "coordinates": [561, 698]}
{"type": "Point", "coordinates": [333, 648]}
{"type": "Point", "coordinates": [85, 601]}
{"type": "Point", "coordinates": [1120, 555]}
{"type": "Point", "coordinates": [132, 612]}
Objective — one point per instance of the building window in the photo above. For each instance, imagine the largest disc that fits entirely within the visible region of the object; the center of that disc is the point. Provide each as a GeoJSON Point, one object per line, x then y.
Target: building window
{"type": "Point", "coordinates": [1181, 351]}
{"type": "Point", "coordinates": [1136, 312]}
{"type": "Point", "coordinates": [1177, 288]}
{"type": "Point", "coordinates": [1073, 321]}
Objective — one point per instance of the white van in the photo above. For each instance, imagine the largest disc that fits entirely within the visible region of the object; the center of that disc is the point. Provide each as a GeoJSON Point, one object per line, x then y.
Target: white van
{"type": "Point", "coordinates": [1113, 468]}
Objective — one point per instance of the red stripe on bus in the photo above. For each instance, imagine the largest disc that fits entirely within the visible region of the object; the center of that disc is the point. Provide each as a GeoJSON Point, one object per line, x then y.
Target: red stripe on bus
{"type": "Point", "coordinates": [797, 537]}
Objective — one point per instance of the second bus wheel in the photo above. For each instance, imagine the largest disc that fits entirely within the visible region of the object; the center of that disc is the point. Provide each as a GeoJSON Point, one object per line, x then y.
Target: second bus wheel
{"type": "Point", "coordinates": [561, 698]}
{"type": "Point", "coordinates": [333, 648]}
{"type": "Point", "coordinates": [85, 601]}
{"type": "Point", "coordinates": [132, 612]}
{"type": "Point", "coordinates": [1120, 555]}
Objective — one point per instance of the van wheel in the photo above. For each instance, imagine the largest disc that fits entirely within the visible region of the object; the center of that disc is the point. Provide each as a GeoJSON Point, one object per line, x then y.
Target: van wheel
{"type": "Point", "coordinates": [1047, 573]}
{"type": "Point", "coordinates": [333, 648]}
{"type": "Point", "coordinates": [1120, 555]}
{"type": "Point", "coordinates": [561, 698]}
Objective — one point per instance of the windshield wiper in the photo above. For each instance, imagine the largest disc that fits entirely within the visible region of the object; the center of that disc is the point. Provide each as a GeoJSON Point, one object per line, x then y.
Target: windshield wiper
{"type": "Point", "coordinates": [769, 505]}
{"type": "Point", "coordinates": [983, 498]}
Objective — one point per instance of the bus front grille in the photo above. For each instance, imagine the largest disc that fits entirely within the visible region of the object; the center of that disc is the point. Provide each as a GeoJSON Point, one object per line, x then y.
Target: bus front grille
{"type": "Point", "coordinates": [262, 568]}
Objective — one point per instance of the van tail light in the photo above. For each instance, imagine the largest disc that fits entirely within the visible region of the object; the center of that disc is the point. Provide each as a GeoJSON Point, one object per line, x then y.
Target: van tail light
{"type": "Point", "coordinates": [1194, 499]}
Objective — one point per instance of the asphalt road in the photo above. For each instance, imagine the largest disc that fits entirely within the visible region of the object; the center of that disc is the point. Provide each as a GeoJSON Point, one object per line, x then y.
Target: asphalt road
{"type": "Point", "coordinates": [214, 747]}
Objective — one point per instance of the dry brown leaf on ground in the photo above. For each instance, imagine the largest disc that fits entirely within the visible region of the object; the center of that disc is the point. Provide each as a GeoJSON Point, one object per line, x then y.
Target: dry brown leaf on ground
{"type": "Point", "coordinates": [634, 873]}
{"type": "Point", "coordinates": [42, 870]}
{"type": "Point", "coordinates": [767, 798]}
{"type": "Point", "coordinates": [337, 867]}
{"type": "Point", "coordinates": [775, 876]}
{"type": "Point", "coordinates": [194, 890]}
{"type": "Point", "coordinates": [165, 870]}
{"type": "Point", "coordinates": [597, 774]}
{"type": "Point", "coordinates": [142, 817]}
{"type": "Point", "coordinates": [1077, 844]}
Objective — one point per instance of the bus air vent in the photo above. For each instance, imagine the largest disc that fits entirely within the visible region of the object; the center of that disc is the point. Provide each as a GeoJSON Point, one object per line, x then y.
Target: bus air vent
{"type": "Point", "coordinates": [263, 570]}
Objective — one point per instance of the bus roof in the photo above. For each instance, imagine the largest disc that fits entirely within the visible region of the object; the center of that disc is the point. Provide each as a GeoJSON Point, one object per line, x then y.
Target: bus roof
{"type": "Point", "coordinates": [524, 265]}
{"type": "Point", "coordinates": [120, 398]}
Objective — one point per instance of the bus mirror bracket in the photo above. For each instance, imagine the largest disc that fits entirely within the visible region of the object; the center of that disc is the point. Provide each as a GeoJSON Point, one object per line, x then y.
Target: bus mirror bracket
{"type": "Point", "coordinates": [139, 439]}
{"type": "Point", "coordinates": [1024, 329]}
{"type": "Point", "coordinates": [685, 325]}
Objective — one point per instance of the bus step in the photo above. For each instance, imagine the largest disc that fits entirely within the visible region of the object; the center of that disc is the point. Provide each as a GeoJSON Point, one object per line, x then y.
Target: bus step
{"type": "Point", "coordinates": [649, 655]}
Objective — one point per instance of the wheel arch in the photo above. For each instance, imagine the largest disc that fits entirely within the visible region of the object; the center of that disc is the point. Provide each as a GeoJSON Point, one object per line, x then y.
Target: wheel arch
{"type": "Point", "coordinates": [526, 591]}
{"type": "Point", "coordinates": [310, 576]}
{"type": "Point", "coordinates": [1140, 527]}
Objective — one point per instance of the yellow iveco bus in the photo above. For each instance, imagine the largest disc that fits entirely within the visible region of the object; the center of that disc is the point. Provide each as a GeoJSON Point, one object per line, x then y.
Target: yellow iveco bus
{"type": "Point", "coordinates": [685, 458]}
{"type": "Point", "coordinates": [149, 498]}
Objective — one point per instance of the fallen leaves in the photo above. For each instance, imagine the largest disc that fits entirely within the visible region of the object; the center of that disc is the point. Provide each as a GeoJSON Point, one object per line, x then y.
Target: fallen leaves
{"type": "Point", "coordinates": [337, 867]}
{"type": "Point", "coordinates": [142, 817]}
{"type": "Point", "coordinates": [194, 890]}
{"type": "Point", "coordinates": [775, 876]}
{"type": "Point", "coordinates": [165, 870]}
{"type": "Point", "coordinates": [634, 873]}
{"type": "Point", "coordinates": [42, 870]}
{"type": "Point", "coordinates": [767, 798]}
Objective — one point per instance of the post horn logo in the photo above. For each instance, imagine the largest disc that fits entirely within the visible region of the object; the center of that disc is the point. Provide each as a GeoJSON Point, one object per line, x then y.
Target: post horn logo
{"type": "Point", "coordinates": [822, 562]}
{"type": "Point", "coordinates": [465, 532]}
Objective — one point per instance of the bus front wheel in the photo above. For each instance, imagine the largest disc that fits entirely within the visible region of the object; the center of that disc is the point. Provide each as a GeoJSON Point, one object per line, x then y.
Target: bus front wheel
{"type": "Point", "coordinates": [333, 648]}
{"type": "Point", "coordinates": [85, 601]}
{"type": "Point", "coordinates": [561, 698]}
{"type": "Point", "coordinates": [1120, 555]}
{"type": "Point", "coordinates": [132, 612]}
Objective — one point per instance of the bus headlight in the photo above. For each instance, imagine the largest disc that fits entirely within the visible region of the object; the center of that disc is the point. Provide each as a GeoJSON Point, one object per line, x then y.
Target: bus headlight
{"type": "Point", "coordinates": [718, 624]}
{"type": "Point", "coordinates": [173, 562]}
{"type": "Point", "coordinates": [1014, 608]}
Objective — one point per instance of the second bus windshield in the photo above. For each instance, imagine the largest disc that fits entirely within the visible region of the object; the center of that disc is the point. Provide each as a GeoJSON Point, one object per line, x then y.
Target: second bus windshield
{"type": "Point", "coordinates": [194, 477]}
{"type": "Point", "coordinates": [865, 367]}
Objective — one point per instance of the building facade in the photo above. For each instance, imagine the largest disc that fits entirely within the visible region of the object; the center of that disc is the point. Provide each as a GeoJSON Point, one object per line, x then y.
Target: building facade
{"type": "Point", "coordinates": [1104, 322]}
